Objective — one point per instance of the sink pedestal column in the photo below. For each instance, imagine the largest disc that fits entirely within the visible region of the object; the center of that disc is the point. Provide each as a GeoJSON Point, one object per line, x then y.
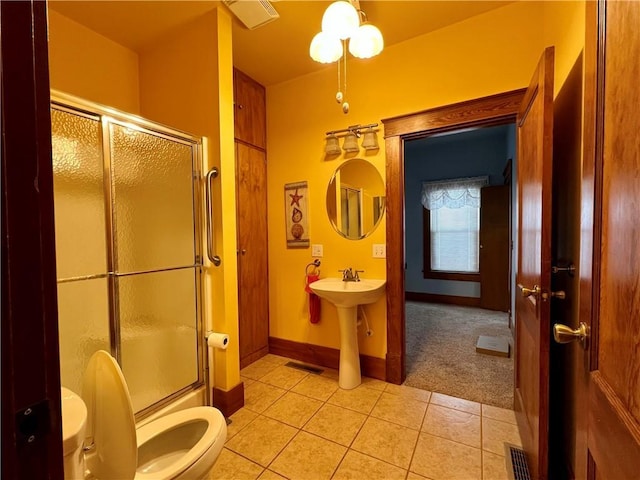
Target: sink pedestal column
{"type": "Point", "coordinates": [349, 372]}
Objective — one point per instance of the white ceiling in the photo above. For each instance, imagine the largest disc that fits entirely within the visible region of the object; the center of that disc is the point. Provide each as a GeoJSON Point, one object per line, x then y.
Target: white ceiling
{"type": "Point", "coordinates": [277, 51]}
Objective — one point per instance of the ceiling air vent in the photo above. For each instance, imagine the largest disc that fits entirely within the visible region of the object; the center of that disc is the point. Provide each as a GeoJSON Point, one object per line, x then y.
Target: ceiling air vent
{"type": "Point", "coordinates": [253, 13]}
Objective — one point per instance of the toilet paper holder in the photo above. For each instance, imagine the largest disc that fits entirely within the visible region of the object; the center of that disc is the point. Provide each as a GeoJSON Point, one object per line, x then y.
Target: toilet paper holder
{"type": "Point", "coordinates": [212, 340]}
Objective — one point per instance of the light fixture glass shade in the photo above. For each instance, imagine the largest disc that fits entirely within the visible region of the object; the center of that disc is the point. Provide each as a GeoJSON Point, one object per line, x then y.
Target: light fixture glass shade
{"type": "Point", "coordinates": [340, 20]}
{"type": "Point", "coordinates": [366, 42]}
{"type": "Point", "coordinates": [370, 140]}
{"type": "Point", "coordinates": [333, 146]}
{"type": "Point", "coordinates": [325, 49]}
{"type": "Point", "coordinates": [350, 143]}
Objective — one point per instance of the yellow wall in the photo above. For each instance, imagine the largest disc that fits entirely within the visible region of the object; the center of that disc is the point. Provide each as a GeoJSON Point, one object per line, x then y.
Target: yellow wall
{"type": "Point", "coordinates": [491, 53]}
{"type": "Point", "coordinates": [187, 83]}
{"type": "Point", "coordinates": [184, 82]}
{"type": "Point", "coordinates": [90, 66]}
{"type": "Point", "coordinates": [564, 27]}
{"type": "Point", "coordinates": [487, 54]}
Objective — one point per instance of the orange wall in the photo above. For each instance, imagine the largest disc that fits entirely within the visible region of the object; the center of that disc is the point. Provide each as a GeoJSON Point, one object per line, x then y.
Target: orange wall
{"type": "Point", "coordinates": [90, 66]}
{"type": "Point", "coordinates": [491, 53]}
{"type": "Point", "coordinates": [187, 83]}
{"type": "Point", "coordinates": [184, 81]}
{"type": "Point", "coordinates": [564, 24]}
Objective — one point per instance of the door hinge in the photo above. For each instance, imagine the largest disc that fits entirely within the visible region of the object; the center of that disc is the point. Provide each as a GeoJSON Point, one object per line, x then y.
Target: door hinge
{"type": "Point", "coordinates": [33, 423]}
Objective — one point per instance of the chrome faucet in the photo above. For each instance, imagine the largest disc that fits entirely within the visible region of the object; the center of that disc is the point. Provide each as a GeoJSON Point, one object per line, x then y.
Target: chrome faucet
{"type": "Point", "coordinates": [348, 275]}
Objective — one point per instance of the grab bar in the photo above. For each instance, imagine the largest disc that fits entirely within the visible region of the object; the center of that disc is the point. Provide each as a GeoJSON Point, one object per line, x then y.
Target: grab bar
{"type": "Point", "coordinates": [215, 259]}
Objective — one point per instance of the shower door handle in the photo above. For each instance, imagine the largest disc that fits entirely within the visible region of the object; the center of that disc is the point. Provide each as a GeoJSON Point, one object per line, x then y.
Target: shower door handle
{"type": "Point", "coordinates": [215, 259]}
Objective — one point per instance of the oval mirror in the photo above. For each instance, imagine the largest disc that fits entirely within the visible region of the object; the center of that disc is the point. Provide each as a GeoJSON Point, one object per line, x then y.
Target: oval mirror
{"type": "Point", "coordinates": [355, 199]}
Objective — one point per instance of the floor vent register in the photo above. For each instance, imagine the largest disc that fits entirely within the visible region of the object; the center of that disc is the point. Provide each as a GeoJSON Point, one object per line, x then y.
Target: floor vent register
{"type": "Point", "coordinates": [306, 368]}
{"type": "Point", "coordinates": [517, 467]}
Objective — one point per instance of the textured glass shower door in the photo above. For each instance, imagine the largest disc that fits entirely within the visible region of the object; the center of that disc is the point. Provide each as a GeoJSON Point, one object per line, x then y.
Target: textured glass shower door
{"type": "Point", "coordinates": [128, 251]}
{"type": "Point", "coordinates": [156, 264]}
{"type": "Point", "coordinates": [81, 245]}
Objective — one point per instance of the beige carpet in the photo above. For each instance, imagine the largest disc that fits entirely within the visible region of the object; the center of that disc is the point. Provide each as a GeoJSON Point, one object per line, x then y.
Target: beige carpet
{"type": "Point", "coordinates": [442, 357]}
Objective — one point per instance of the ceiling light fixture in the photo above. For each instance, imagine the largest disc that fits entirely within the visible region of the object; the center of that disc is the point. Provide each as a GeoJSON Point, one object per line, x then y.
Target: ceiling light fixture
{"type": "Point", "coordinates": [343, 20]}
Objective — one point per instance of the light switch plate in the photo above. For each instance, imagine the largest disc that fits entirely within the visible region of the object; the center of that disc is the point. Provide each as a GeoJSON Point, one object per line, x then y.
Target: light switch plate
{"type": "Point", "coordinates": [379, 250]}
{"type": "Point", "coordinates": [316, 250]}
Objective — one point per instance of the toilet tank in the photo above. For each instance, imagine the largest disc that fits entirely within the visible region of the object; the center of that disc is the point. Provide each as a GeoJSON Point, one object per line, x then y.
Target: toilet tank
{"type": "Point", "coordinates": [74, 423]}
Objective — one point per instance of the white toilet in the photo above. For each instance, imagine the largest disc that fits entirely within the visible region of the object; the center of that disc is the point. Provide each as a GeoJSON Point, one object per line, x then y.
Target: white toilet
{"type": "Point", "coordinates": [100, 439]}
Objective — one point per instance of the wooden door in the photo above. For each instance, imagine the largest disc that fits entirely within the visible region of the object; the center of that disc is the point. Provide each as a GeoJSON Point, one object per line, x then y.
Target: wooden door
{"type": "Point", "coordinates": [253, 287]}
{"type": "Point", "coordinates": [494, 248]}
{"type": "Point", "coordinates": [608, 435]}
{"type": "Point", "coordinates": [534, 136]}
{"type": "Point", "coordinates": [250, 110]}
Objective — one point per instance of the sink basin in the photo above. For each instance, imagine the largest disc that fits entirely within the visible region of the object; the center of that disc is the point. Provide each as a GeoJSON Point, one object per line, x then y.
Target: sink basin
{"type": "Point", "coordinates": [348, 294]}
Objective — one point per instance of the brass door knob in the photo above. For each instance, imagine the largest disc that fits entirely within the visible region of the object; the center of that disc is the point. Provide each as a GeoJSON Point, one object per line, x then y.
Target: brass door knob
{"type": "Point", "coordinates": [527, 292]}
{"type": "Point", "coordinates": [565, 334]}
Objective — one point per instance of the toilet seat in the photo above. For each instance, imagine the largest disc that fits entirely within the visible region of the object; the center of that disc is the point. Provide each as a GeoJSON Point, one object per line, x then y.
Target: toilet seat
{"type": "Point", "coordinates": [212, 438]}
{"type": "Point", "coordinates": [115, 443]}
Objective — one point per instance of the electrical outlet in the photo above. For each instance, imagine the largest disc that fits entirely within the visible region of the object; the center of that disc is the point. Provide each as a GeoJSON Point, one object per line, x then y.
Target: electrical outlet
{"type": "Point", "coordinates": [379, 250]}
{"type": "Point", "coordinates": [316, 250]}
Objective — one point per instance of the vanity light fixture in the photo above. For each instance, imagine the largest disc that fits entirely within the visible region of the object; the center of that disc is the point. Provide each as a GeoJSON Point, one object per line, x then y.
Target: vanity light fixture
{"type": "Point", "coordinates": [333, 145]}
{"type": "Point", "coordinates": [344, 21]}
{"type": "Point", "coordinates": [370, 140]}
{"type": "Point", "coordinates": [350, 144]}
{"type": "Point", "coordinates": [351, 135]}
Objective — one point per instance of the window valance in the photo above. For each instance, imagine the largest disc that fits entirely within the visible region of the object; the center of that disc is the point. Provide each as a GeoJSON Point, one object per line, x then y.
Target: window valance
{"type": "Point", "coordinates": [453, 193]}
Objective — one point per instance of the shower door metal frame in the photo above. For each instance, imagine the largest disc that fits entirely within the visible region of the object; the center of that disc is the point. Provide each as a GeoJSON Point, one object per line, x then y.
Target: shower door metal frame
{"type": "Point", "coordinates": [106, 116]}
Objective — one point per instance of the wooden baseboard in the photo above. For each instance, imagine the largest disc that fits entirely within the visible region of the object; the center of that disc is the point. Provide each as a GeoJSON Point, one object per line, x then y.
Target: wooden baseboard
{"type": "Point", "coordinates": [229, 402]}
{"type": "Point", "coordinates": [252, 357]}
{"type": "Point", "coordinates": [395, 370]}
{"type": "Point", "coordinates": [449, 299]}
{"type": "Point", "coordinates": [372, 367]}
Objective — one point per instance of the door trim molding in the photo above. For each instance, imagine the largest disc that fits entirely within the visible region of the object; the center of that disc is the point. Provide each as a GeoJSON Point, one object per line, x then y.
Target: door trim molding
{"type": "Point", "coordinates": [30, 357]}
{"type": "Point", "coordinates": [482, 112]}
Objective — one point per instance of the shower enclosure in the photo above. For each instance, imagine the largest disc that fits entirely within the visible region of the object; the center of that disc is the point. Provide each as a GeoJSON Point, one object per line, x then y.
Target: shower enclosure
{"type": "Point", "coordinates": [128, 248]}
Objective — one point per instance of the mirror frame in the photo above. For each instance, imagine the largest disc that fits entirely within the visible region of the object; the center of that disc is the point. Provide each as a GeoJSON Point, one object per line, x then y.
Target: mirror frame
{"type": "Point", "coordinates": [355, 193]}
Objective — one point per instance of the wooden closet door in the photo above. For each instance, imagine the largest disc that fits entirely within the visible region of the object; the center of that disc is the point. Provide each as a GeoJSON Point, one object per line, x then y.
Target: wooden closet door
{"type": "Point", "coordinates": [253, 287]}
{"type": "Point", "coordinates": [494, 248]}
{"type": "Point", "coordinates": [250, 110]}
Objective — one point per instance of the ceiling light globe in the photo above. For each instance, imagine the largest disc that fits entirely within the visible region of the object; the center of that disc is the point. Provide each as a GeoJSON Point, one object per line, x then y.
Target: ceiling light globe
{"type": "Point", "coordinates": [340, 20]}
{"type": "Point", "coordinates": [325, 48]}
{"type": "Point", "coordinates": [366, 42]}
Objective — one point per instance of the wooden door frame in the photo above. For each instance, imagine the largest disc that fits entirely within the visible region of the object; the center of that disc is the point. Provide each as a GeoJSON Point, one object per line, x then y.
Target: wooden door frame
{"type": "Point", "coordinates": [590, 223]}
{"type": "Point", "coordinates": [30, 359]}
{"type": "Point", "coordinates": [493, 110]}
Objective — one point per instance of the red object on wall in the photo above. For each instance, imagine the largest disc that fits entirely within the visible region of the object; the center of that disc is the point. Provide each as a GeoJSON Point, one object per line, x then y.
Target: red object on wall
{"type": "Point", "coordinates": [314, 300]}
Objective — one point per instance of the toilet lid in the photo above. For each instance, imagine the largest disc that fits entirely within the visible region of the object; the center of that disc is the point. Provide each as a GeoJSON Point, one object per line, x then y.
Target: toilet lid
{"type": "Point", "coordinates": [110, 420]}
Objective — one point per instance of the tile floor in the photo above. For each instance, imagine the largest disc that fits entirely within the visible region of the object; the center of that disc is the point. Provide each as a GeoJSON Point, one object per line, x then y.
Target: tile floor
{"type": "Point", "coordinates": [300, 425]}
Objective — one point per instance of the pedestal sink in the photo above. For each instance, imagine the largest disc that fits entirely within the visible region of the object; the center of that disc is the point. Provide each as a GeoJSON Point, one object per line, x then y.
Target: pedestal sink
{"type": "Point", "coordinates": [346, 296]}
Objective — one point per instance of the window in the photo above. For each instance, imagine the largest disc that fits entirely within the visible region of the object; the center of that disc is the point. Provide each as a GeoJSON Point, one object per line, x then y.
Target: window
{"type": "Point", "coordinates": [452, 228]}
